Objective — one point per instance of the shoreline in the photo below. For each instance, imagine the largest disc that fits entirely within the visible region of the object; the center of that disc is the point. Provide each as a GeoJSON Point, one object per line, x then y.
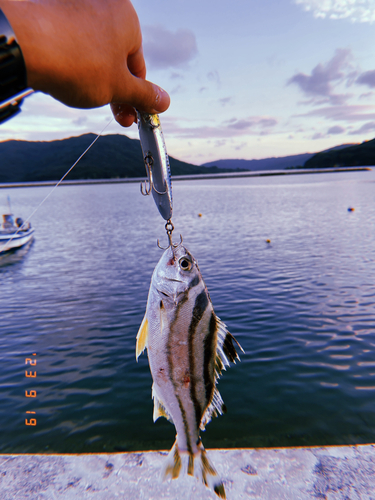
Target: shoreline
{"type": "Point", "coordinates": [225, 175]}
{"type": "Point", "coordinates": [307, 473]}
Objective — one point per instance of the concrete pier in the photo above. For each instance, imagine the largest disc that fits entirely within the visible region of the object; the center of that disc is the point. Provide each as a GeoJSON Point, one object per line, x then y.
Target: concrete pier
{"type": "Point", "coordinates": [331, 473]}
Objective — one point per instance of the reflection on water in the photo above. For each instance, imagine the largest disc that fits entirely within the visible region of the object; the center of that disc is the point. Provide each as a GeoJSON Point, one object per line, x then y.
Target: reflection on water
{"type": "Point", "coordinates": [12, 257]}
{"type": "Point", "coordinates": [301, 305]}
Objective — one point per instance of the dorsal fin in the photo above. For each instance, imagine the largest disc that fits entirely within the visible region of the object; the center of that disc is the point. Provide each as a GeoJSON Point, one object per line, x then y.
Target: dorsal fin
{"type": "Point", "coordinates": [214, 409]}
{"type": "Point", "coordinates": [225, 350]}
{"type": "Point", "coordinates": [142, 338]}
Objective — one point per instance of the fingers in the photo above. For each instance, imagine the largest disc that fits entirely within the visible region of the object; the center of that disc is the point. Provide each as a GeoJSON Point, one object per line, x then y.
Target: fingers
{"type": "Point", "coordinates": [124, 114]}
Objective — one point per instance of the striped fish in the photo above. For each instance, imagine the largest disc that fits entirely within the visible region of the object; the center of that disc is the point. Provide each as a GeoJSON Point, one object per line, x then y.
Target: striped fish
{"type": "Point", "coordinates": [188, 347]}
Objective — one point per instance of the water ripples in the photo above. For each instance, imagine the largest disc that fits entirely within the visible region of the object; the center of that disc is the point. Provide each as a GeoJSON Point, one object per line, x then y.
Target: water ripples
{"type": "Point", "coordinates": [301, 305]}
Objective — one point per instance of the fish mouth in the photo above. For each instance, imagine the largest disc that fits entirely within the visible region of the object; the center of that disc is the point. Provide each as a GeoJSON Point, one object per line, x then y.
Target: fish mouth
{"type": "Point", "coordinates": [174, 297]}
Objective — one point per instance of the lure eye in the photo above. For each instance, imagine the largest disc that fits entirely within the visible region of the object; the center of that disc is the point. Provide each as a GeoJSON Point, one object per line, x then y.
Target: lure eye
{"type": "Point", "coordinates": [185, 264]}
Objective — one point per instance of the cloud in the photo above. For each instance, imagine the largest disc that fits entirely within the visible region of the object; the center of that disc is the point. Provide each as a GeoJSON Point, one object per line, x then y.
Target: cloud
{"type": "Point", "coordinates": [262, 122]}
{"type": "Point", "coordinates": [317, 136]}
{"type": "Point", "coordinates": [175, 76]}
{"type": "Point", "coordinates": [267, 122]}
{"type": "Point", "coordinates": [167, 49]}
{"type": "Point", "coordinates": [347, 113]}
{"type": "Point", "coordinates": [366, 96]}
{"type": "Point", "coordinates": [225, 100]}
{"type": "Point", "coordinates": [177, 89]}
{"type": "Point", "coordinates": [336, 129]}
{"type": "Point", "coordinates": [324, 77]}
{"type": "Point", "coordinates": [81, 120]}
{"type": "Point", "coordinates": [356, 10]}
{"type": "Point", "coordinates": [321, 87]}
{"type": "Point", "coordinates": [367, 78]}
{"type": "Point", "coordinates": [255, 125]}
{"type": "Point", "coordinates": [367, 127]}
{"type": "Point", "coordinates": [43, 118]}
{"type": "Point", "coordinates": [240, 146]}
{"type": "Point", "coordinates": [241, 124]}
{"type": "Point", "coordinates": [213, 76]}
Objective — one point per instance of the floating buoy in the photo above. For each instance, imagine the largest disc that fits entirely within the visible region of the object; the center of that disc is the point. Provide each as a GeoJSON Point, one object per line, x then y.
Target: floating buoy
{"type": "Point", "coordinates": [268, 241]}
{"type": "Point", "coordinates": [350, 209]}
{"type": "Point", "coordinates": [199, 215]}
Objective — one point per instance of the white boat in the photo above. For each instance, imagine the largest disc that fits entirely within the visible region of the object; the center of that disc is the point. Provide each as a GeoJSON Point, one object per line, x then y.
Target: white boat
{"type": "Point", "coordinates": [14, 233]}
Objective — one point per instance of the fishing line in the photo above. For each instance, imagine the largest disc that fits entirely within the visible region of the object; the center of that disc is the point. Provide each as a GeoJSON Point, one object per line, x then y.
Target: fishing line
{"type": "Point", "coordinates": [56, 185]}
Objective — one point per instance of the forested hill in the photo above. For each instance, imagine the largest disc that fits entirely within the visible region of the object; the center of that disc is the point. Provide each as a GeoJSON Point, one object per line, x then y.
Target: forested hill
{"type": "Point", "coordinates": [274, 163]}
{"type": "Point", "coordinates": [351, 156]}
{"type": "Point", "coordinates": [117, 156]}
{"type": "Point", "coordinates": [112, 156]}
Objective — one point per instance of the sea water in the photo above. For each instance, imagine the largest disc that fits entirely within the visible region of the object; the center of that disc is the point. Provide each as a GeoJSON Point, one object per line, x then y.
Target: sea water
{"type": "Point", "coordinates": [289, 270]}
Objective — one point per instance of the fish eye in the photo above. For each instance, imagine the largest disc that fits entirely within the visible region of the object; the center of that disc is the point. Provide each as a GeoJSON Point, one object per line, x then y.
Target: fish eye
{"type": "Point", "coordinates": [185, 264]}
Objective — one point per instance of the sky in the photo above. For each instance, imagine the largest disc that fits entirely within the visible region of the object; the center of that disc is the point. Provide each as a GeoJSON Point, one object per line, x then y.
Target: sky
{"type": "Point", "coordinates": [248, 79]}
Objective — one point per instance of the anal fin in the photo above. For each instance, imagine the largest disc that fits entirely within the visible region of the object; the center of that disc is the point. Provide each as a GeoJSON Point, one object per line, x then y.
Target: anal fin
{"type": "Point", "coordinates": [159, 408]}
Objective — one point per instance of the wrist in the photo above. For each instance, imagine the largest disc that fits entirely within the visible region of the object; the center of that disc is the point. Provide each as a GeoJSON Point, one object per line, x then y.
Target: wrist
{"type": "Point", "coordinates": [13, 77]}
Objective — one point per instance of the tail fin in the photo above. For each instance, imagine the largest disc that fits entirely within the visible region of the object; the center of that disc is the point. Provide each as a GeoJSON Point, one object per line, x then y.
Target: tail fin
{"type": "Point", "coordinates": [197, 465]}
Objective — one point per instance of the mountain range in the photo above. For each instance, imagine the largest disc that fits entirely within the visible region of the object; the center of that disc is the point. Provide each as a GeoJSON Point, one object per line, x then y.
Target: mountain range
{"type": "Point", "coordinates": [278, 163]}
{"type": "Point", "coordinates": [353, 156]}
{"type": "Point", "coordinates": [118, 156]}
{"type": "Point", "coordinates": [111, 157]}
{"type": "Point", "coordinates": [274, 163]}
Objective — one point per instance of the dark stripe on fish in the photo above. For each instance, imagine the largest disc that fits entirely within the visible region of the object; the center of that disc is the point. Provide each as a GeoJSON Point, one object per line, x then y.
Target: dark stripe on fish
{"type": "Point", "coordinates": [186, 425]}
{"type": "Point", "coordinates": [209, 355]}
{"type": "Point", "coordinates": [170, 365]}
{"type": "Point", "coordinates": [194, 282]}
{"type": "Point", "coordinates": [201, 303]}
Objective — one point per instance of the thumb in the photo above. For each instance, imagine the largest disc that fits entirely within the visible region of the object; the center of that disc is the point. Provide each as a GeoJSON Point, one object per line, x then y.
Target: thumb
{"type": "Point", "coordinates": [143, 96]}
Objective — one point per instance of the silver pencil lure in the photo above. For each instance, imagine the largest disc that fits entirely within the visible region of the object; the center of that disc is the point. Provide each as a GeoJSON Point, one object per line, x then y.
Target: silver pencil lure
{"type": "Point", "coordinates": [156, 162]}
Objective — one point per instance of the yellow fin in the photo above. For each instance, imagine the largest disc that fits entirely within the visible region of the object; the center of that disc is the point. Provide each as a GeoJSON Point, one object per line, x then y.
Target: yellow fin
{"type": "Point", "coordinates": [160, 411]}
{"type": "Point", "coordinates": [196, 464]}
{"type": "Point", "coordinates": [159, 408]}
{"type": "Point", "coordinates": [173, 464]}
{"type": "Point", "coordinates": [142, 338]}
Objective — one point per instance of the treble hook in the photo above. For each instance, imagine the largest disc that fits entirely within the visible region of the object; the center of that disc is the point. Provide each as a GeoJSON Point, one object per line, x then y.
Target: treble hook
{"type": "Point", "coordinates": [149, 162]}
{"type": "Point", "coordinates": [169, 227]}
{"type": "Point", "coordinates": [148, 159]}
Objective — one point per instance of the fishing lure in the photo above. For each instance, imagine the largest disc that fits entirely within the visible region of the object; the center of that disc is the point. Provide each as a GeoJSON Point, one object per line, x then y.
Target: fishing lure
{"type": "Point", "coordinates": [156, 160]}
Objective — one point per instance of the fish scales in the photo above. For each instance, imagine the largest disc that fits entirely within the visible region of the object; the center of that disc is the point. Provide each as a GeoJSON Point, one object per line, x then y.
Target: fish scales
{"type": "Point", "coordinates": [187, 347]}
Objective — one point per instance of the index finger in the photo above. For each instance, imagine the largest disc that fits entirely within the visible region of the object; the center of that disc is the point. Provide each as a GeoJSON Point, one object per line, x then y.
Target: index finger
{"type": "Point", "coordinates": [137, 64]}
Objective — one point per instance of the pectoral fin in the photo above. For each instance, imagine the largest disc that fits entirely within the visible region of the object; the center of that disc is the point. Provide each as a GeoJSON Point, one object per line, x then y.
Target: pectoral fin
{"type": "Point", "coordinates": [142, 338]}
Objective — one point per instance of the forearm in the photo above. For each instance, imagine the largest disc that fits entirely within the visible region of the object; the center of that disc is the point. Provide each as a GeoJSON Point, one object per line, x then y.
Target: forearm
{"type": "Point", "coordinates": [85, 53]}
{"type": "Point", "coordinates": [61, 54]}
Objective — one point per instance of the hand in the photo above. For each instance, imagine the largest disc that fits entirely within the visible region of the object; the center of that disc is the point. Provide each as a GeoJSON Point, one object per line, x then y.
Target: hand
{"type": "Point", "coordinates": [86, 53]}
